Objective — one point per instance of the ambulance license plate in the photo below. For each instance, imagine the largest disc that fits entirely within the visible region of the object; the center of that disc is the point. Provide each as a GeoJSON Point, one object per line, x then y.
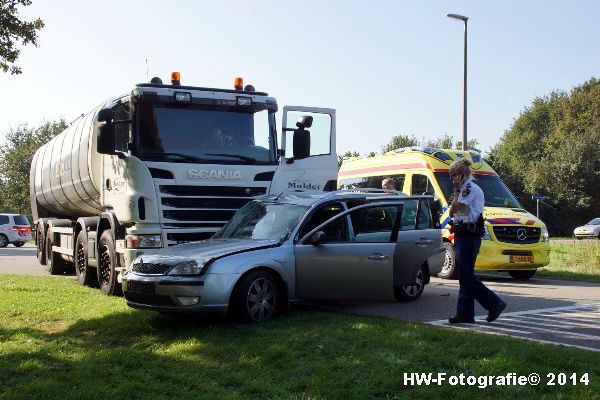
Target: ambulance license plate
{"type": "Point", "coordinates": [521, 259]}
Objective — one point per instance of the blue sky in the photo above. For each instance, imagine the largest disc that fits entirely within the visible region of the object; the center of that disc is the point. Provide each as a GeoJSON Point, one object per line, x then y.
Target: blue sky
{"type": "Point", "coordinates": [388, 67]}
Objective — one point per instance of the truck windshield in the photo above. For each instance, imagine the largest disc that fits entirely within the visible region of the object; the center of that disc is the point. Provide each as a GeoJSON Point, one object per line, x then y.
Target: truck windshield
{"type": "Point", "coordinates": [495, 191]}
{"type": "Point", "coordinates": [260, 220]}
{"type": "Point", "coordinates": [197, 134]}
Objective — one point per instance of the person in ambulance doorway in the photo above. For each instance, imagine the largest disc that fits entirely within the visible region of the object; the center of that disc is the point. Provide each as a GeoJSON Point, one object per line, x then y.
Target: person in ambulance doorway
{"type": "Point", "coordinates": [466, 209]}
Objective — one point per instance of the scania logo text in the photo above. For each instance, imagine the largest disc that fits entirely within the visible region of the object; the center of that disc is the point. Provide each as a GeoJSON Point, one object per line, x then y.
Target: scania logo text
{"type": "Point", "coordinates": [215, 174]}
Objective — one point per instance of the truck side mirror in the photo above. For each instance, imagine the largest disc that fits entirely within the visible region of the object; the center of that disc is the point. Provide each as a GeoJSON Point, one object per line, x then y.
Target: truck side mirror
{"type": "Point", "coordinates": [317, 238]}
{"type": "Point", "coordinates": [105, 115]}
{"type": "Point", "coordinates": [301, 139]}
{"type": "Point", "coordinates": [304, 121]}
{"type": "Point", "coordinates": [106, 138]}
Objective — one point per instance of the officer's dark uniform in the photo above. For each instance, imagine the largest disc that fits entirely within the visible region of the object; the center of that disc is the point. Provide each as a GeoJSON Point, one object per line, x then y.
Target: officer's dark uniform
{"type": "Point", "coordinates": [468, 229]}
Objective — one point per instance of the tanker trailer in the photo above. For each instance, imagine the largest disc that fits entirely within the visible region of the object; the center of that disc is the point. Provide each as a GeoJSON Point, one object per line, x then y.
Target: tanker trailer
{"type": "Point", "coordinates": [167, 164]}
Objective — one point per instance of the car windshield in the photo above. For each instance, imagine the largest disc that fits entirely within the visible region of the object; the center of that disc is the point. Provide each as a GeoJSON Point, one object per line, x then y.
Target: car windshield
{"type": "Point", "coordinates": [495, 191]}
{"type": "Point", "coordinates": [595, 221]}
{"type": "Point", "coordinates": [261, 220]}
{"type": "Point", "coordinates": [21, 220]}
{"type": "Point", "coordinates": [197, 134]}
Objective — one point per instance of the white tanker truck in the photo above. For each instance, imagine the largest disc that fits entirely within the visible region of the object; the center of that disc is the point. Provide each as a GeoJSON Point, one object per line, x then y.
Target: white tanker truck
{"type": "Point", "coordinates": [166, 164]}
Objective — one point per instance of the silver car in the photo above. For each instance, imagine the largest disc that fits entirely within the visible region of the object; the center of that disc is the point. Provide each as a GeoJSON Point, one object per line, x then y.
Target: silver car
{"type": "Point", "coordinates": [15, 229]}
{"type": "Point", "coordinates": [589, 230]}
{"type": "Point", "coordinates": [376, 245]}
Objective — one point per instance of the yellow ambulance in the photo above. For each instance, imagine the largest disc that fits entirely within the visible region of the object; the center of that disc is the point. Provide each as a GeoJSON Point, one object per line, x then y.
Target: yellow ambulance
{"type": "Point", "coordinates": [514, 241]}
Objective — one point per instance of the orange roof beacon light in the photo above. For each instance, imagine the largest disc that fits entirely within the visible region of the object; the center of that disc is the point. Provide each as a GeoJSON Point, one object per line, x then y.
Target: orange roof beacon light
{"type": "Point", "coordinates": [238, 83]}
{"type": "Point", "coordinates": [175, 78]}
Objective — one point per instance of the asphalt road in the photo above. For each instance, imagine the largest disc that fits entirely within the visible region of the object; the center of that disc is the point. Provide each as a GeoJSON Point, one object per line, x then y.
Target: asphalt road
{"type": "Point", "coordinates": [547, 310]}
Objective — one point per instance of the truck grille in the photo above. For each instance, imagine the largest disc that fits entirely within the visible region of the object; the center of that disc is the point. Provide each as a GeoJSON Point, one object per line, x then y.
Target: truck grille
{"type": "Point", "coordinates": [201, 209]}
{"type": "Point", "coordinates": [517, 234]}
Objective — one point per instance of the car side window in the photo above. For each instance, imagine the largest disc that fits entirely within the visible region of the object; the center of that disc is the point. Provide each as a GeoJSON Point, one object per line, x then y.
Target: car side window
{"type": "Point", "coordinates": [335, 231]}
{"type": "Point", "coordinates": [408, 220]}
{"type": "Point", "coordinates": [4, 219]}
{"type": "Point", "coordinates": [424, 221]}
{"type": "Point", "coordinates": [374, 224]}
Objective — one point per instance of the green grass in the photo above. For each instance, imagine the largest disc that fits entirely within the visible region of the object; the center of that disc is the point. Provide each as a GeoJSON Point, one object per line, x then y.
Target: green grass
{"type": "Point", "coordinates": [576, 260]}
{"type": "Point", "coordinates": [61, 340]}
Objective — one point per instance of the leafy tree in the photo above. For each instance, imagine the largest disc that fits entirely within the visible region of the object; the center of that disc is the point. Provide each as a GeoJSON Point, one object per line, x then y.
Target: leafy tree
{"type": "Point", "coordinates": [13, 30]}
{"type": "Point", "coordinates": [400, 141]}
{"type": "Point", "coordinates": [15, 161]}
{"type": "Point", "coordinates": [552, 149]}
{"type": "Point", "coordinates": [347, 154]}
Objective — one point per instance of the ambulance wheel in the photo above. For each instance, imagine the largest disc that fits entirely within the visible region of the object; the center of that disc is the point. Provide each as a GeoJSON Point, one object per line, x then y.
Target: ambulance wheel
{"type": "Point", "coordinates": [449, 269]}
{"type": "Point", "coordinates": [522, 274]}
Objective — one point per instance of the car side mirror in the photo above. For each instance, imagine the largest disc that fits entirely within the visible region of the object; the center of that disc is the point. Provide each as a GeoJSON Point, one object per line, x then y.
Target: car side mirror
{"type": "Point", "coordinates": [317, 238]}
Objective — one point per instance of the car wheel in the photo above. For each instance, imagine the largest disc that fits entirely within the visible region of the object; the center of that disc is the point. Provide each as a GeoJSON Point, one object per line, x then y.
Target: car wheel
{"type": "Point", "coordinates": [3, 240]}
{"type": "Point", "coordinates": [449, 269]}
{"type": "Point", "coordinates": [56, 265]}
{"type": "Point", "coordinates": [107, 263]}
{"type": "Point", "coordinates": [578, 237]}
{"type": "Point", "coordinates": [39, 240]}
{"type": "Point", "coordinates": [522, 274]}
{"type": "Point", "coordinates": [414, 291]}
{"type": "Point", "coordinates": [18, 244]}
{"type": "Point", "coordinates": [86, 275]}
{"type": "Point", "coordinates": [256, 297]}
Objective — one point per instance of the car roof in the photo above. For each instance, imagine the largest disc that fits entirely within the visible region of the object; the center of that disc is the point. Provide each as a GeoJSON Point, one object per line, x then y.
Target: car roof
{"type": "Point", "coordinates": [11, 215]}
{"type": "Point", "coordinates": [312, 198]}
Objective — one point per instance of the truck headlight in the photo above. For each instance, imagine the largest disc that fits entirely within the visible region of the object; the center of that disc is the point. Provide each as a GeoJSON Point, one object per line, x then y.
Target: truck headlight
{"type": "Point", "coordinates": [486, 234]}
{"type": "Point", "coordinates": [545, 237]}
{"type": "Point", "coordinates": [143, 241]}
{"type": "Point", "coordinates": [189, 267]}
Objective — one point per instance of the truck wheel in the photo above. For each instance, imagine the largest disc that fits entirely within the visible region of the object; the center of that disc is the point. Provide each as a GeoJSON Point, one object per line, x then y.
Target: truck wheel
{"type": "Point", "coordinates": [3, 240]}
{"type": "Point", "coordinates": [39, 240]}
{"type": "Point", "coordinates": [256, 297]}
{"type": "Point", "coordinates": [18, 244]}
{"type": "Point", "coordinates": [414, 291]}
{"type": "Point", "coordinates": [107, 263]}
{"type": "Point", "coordinates": [86, 275]}
{"type": "Point", "coordinates": [56, 265]}
{"type": "Point", "coordinates": [522, 274]}
{"type": "Point", "coordinates": [449, 269]}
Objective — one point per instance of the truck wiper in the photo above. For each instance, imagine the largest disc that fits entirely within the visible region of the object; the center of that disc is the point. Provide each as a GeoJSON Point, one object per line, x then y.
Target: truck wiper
{"type": "Point", "coordinates": [245, 158]}
{"type": "Point", "coordinates": [180, 155]}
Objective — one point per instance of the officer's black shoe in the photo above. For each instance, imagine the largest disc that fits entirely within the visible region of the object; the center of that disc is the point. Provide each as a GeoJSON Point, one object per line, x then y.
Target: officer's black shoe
{"type": "Point", "coordinates": [459, 320]}
{"type": "Point", "coordinates": [495, 312]}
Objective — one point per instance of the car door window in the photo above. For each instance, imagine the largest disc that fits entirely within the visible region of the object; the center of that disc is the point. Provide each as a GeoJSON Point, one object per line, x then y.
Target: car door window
{"type": "Point", "coordinates": [408, 220]}
{"type": "Point", "coordinates": [336, 231]}
{"type": "Point", "coordinates": [424, 220]}
{"type": "Point", "coordinates": [3, 219]}
{"type": "Point", "coordinates": [374, 224]}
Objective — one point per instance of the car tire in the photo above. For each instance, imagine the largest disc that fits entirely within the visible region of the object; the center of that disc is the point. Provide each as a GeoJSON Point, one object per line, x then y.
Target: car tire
{"type": "Point", "coordinates": [85, 274]}
{"type": "Point", "coordinates": [522, 275]}
{"type": "Point", "coordinates": [39, 241]}
{"type": "Point", "coordinates": [18, 244]}
{"type": "Point", "coordinates": [578, 237]}
{"type": "Point", "coordinates": [107, 265]}
{"type": "Point", "coordinates": [56, 265]}
{"type": "Point", "coordinates": [449, 268]}
{"type": "Point", "coordinates": [256, 297]}
{"type": "Point", "coordinates": [414, 291]}
{"type": "Point", "coordinates": [3, 240]}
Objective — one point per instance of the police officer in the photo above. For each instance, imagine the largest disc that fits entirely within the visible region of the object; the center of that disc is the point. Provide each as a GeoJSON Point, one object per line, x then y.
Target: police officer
{"type": "Point", "coordinates": [467, 208]}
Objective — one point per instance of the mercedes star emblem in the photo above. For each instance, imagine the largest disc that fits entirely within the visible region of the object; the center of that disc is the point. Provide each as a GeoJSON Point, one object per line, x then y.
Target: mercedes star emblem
{"type": "Point", "coordinates": [521, 234]}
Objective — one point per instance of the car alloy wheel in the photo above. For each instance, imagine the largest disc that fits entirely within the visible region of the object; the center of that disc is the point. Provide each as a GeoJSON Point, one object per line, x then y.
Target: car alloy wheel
{"type": "Point", "coordinates": [261, 299]}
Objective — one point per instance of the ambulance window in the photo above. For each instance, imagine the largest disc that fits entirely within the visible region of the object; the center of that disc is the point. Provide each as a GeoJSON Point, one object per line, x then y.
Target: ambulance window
{"type": "Point", "coordinates": [421, 185]}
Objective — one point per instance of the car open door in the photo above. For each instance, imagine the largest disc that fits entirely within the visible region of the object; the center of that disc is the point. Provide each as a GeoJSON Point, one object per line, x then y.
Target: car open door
{"type": "Point", "coordinates": [309, 159]}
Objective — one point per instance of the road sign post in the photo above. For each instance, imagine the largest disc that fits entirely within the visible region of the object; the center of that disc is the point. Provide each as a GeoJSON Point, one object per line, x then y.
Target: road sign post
{"type": "Point", "coordinates": [537, 201]}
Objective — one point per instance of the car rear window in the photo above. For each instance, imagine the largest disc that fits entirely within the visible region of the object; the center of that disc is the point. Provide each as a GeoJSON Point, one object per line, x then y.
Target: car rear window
{"type": "Point", "coordinates": [21, 220]}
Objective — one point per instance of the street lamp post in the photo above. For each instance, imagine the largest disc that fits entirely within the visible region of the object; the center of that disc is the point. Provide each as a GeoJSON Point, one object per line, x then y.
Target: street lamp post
{"type": "Point", "coordinates": [463, 19]}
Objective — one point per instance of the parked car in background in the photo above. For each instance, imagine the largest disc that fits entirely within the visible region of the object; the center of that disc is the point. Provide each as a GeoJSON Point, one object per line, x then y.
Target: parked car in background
{"type": "Point", "coordinates": [589, 230]}
{"type": "Point", "coordinates": [369, 244]}
{"type": "Point", "coordinates": [15, 229]}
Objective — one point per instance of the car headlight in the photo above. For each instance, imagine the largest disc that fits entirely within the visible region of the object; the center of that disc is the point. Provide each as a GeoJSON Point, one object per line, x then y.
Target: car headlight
{"type": "Point", "coordinates": [545, 237]}
{"type": "Point", "coordinates": [486, 234]}
{"type": "Point", "coordinates": [188, 267]}
{"type": "Point", "coordinates": [143, 241]}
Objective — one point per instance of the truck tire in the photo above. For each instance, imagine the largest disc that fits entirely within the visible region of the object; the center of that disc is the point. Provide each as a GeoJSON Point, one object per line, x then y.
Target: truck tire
{"type": "Point", "coordinates": [107, 264]}
{"type": "Point", "coordinates": [3, 240]}
{"type": "Point", "coordinates": [256, 297]}
{"type": "Point", "coordinates": [449, 269]}
{"type": "Point", "coordinates": [39, 241]}
{"type": "Point", "coordinates": [56, 265]}
{"type": "Point", "coordinates": [86, 275]}
{"type": "Point", "coordinates": [522, 275]}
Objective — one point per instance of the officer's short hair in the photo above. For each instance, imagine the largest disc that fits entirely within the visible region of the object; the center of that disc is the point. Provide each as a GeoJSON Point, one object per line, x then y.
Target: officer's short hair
{"type": "Point", "coordinates": [462, 166]}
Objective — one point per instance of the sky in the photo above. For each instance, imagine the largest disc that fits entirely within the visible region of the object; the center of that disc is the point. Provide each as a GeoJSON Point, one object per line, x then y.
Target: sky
{"type": "Point", "coordinates": [387, 67]}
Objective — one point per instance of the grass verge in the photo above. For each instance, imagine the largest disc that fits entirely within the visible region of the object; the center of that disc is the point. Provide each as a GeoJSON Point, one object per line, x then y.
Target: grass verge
{"type": "Point", "coordinates": [61, 340]}
{"type": "Point", "coordinates": [576, 260]}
